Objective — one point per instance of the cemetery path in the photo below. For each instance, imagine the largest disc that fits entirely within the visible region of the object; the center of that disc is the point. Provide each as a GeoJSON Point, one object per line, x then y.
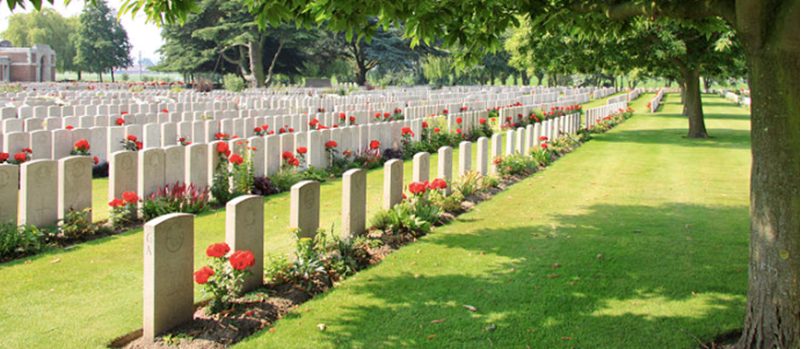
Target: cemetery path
{"type": "Point", "coordinates": [637, 239]}
{"type": "Point", "coordinates": [91, 293]}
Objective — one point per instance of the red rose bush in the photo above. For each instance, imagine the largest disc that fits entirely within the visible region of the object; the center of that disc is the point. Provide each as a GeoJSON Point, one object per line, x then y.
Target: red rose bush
{"type": "Point", "coordinates": [222, 277]}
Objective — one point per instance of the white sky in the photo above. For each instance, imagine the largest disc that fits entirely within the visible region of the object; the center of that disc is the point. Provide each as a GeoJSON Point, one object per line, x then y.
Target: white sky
{"type": "Point", "coordinates": [144, 37]}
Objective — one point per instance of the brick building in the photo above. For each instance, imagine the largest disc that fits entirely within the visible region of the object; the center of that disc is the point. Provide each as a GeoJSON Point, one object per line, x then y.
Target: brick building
{"type": "Point", "coordinates": [36, 63]}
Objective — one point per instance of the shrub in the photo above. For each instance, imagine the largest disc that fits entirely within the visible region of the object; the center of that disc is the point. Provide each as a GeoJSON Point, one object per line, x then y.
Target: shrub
{"type": "Point", "coordinates": [467, 184]}
{"type": "Point", "coordinates": [176, 198]}
{"type": "Point", "coordinates": [75, 225]}
{"type": "Point", "coordinates": [315, 174]}
{"type": "Point", "coordinates": [489, 182]}
{"type": "Point", "coordinates": [233, 83]}
{"type": "Point", "coordinates": [515, 164]}
{"type": "Point", "coordinates": [368, 159]}
{"type": "Point", "coordinates": [203, 85]}
{"type": "Point", "coordinates": [19, 240]}
{"type": "Point", "coordinates": [285, 178]}
{"type": "Point", "coordinates": [541, 156]}
{"type": "Point", "coordinates": [343, 256]}
{"type": "Point", "coordinates": [448, 203]}
{"type": "Point", "coordinates": [263, 186]}
{"type": "Point", "coordinates": [391, 153]}
{"type": "Point", "coordinates": [100, 170]}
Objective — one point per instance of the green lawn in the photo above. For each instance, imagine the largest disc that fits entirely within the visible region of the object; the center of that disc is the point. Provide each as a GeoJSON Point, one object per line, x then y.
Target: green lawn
{"type": "Point", "coordinates": [668, 216]}
{"type": "Point", "coordinates": [91, 293]}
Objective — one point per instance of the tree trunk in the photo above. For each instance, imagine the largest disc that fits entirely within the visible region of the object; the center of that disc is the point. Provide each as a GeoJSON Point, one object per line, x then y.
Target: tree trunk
{"type": "Point", "coordinates": [492, 77]}
{"type": "Point", "coordinates": [772, 310]}
{"type": "Point", "coordinates": [692, 103]}
{"type": "Point", "coordinates": [525, 79]}
{"type": "Point", "coordinates": [100, 76]}
{"type": "Point", "coordinates": [79, 75]}
{"type": "Point", "coordinates": [112, 75]}
{"type": "Point", "coordinates": [256, 66]}
{"type": "Point", "coordinates": [272, 63]}
{"type": "Point", "coordinates": [539, 78]}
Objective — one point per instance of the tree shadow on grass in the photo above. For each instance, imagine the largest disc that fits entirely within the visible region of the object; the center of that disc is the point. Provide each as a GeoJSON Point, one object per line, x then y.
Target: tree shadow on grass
{"type": "Point", "coordinates": [628, 277]}
{"type": "Point", "coordinates": [721, 138]}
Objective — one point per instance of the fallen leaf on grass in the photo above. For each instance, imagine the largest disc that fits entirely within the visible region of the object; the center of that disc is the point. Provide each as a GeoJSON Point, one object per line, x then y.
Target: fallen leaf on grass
{"type": "Point", "coordinates": [321, 327]}
{"type": "Point", "coordinates": [553, 276]}
{"type": "Point", "coordinates": [431, 336]}
{"type": "Point", "coordinates": [555, 265]}
{"type": "Point", "coordinates": [438, 321]}
{"type": "Point", "coordinates": [56, 261]}
{"type": "Point", "coordinates": [599, 256]}
{"type": "Point", "coordinates": [490, 328]}
{"type": "Point", "coordinates": [470, 307]}
{"type": "Point", "coordinates": [567, 338]}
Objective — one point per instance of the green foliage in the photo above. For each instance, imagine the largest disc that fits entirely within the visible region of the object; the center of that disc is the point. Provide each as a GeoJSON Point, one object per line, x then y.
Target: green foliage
{"type": "Point", "coordinates": [489, 182]}
{"type": "Point", "coordinates": [75, 225]}
{"type": "Point", "coordinates": [233, 83]}
{"type": "Point", "coordinates": [101, 42]}
{"type": "Point", "coordinates": [448, 203]}
{"type": "Point", "coordinates": [515, 164]}
{"type": "Point", "coordinates": [285, 178]}
{"type": "Point", "coordinates": [413, 216]}
{"type": "Point", "coordinates": [45, 27]}
{"type": "Point", "coordinates": [318, 174]}
{"type": "Point", "coordinates": [541, 156]}
{"type": "Point", "coordinates": [19, 240]}
{"type": "Point", "coordinates": [467, 184]}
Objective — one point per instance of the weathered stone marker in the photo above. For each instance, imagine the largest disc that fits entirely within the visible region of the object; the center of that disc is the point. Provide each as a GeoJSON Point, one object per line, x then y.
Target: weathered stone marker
{"type": "Point", "coordinates": [38, 205]}
{"type": "Point", "coordinates": [74, 185]}
{"type": "Point", "coordinates": [9, 193]}
{"type": "Point", "coordinates": [152, 169]}
{"type": "Point", "coordinates": [354, 202]}
{"type": "Point", "coordinates": [169, 264]}
{"type": "Point", "coordinates": [510, 142]}
{"type": "Point", "coordinates": [393, 183]}
{"type": "Point", "coordinates": [244, 230]}
{"type": "Point", "coordinates": [495, 151]}
{"type": "Point", "coordinates": [122, 170]}
{"type": "Point", "coordinates": [420, 165]}
{"type": "Point", "coordinates": [445, 166]}
{"type": "Point", "coordinates": [465, 157]}
{"type": "Point", "coordinates": [482, 156]}
{"type": "Point", "coordinates": [304, 212]}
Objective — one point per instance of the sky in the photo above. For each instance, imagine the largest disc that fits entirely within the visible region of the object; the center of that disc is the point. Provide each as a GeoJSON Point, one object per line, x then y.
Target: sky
{"type": "Point", "coordinates": [144, 37]}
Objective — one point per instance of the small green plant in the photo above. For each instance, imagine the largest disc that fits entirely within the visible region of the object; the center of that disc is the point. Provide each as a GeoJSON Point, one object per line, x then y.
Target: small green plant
{"type": "Point", "coordinates": [277, 267]}
{"type": "Point", "coordinates": [515, 164]}
{"type": "Point", "coordinates": [233, 83]}
{"type": "Point", "coordinates": [541, 156]}
{"type": "Point", "coordinates": [308, 261]}
{"type": "Point", "coordinates": [171, 339]}
{"type": "Point", "coordinates": [318, 174]}
{"type": "Point", "coordinates": [176, 198]}
{"type": "Point", "coordinates": [19, 240]}
{"type": "Point", "coordinates": [177, 89]}
{"type": "Point", "coordinates": [448, 203]}
{"type": "Point", "coordinates": [285, 178]}
{"type": "Point", "coordinates": [489, 182]}
{"type": "Point", "coordinates": [467, 184]}
{"type": "Point", "coordinates": [75, 225]}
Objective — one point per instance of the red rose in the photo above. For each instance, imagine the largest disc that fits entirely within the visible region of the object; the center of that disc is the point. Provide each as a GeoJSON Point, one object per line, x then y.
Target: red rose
{"type": "Point", "coordinates": [132, 138]}
{"type": "Point", "coordinates": [203, 274]}
{"type": "Point", "coordinates": [217, 250]}
{"type": "Point", "coordinates": [482, 121]}
{"type": "Point", "coordinates": [222, 147]}
{"type": "Point", "coordinates": [124, 113]}
{"type": "Point", "coordinates": [508, 118]}
{"type": "Point", "coordinates": [330, 144]}
{"type": "Point", "coordinates": [302, 150]}
{"type": "Point", "coordinates": [406, 130]}
{"type": "Point", "coordinates": [257, 129]}
{"type": "Point", "coordinates": [377, 115]}
{"type": "Point", "coordinates": [291, 130]}
{"type": "Point", "coordinates": [165, 111]}
{"type": "Point", "coordinates": [445, 111]}
{"type": "Point", "coordinates": [116, 203]}
{"type": "Point", "coordinates": [352, 119]}
{"type": "Point", "coordinates": [236, 159]}
{"type": "Point", "coordinates": [544, 145]}
{"type": "Point", "coordinates": [265, 127]}
{"type": "Point", "coordinates": [436, 130]}
{"type": "Point", "coordinates": [294, 162]}
{"type": "Point", "coordinates": [121, 121]}
{"type": "Point", "coordinates": [27, 150]}
{"type": "Point", "coordinates": [82, 144]}
{"type": "Point", "coordinates": [287, 155]}
{"type": "Point", "coordinates": [425, 124]}
{"type": "Point", "coordinates": [282, 130]}
{"type": "Point", "coordinates": [374, 144]}
{"type": "Point", "coordinates": [497, 160]}
{"type": "Point", "coordinates": [386, 115]}
{"type": "Point", "coordinates": [459, 130]}
{"type": "Point", "coordinates": [139, 145]}
{"type": "Point", "coordinates": [20, 157]}
{"type": "Point", "coordinates": [342, 116]}
{"type": "Point", "coordinates": [69, 127]}
{"type": "Point", "coordinates": [543, 138]}
{"type": "Point", "coordinates": [438, 183]}
{"type": "Point", "coordinates": [242, 259]}
{"type": "Point", "coordinates": [458, 121]}
{"type": "Point", "coordinates": [3, 157]}
{"type": "Point", "coordinates": [417, 187]}
{"type": "Point", "coordinates": [519, 115]}
{"type": "Point", "coordinates": [130, 197]}
{"type": "Point", "coordinates": [96, 160]}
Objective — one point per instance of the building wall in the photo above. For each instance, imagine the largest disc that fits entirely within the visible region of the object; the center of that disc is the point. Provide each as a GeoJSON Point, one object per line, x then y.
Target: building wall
{"type": "Point", "coordinates": [36, 63]}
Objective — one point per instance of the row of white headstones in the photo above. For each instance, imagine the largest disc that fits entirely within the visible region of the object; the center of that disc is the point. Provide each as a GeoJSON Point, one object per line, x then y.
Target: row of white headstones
{"type": "Point", "coordinates": [40, 192]}
{"type": "Point", "coordinates": [169, 239]}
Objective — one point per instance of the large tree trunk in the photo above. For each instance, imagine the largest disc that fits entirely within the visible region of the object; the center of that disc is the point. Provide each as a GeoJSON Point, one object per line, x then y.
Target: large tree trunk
{"type": "Point", "coordinates": [256, 66]}
{"type": "Point", "coordinates": [540, 76]}
{"type": "Point", "coordinates": [79, 75]}
{"type": "Point", "coordinates": [693, 106]}
{"type": "Point", "coordinates": [112, 75]}
{"type": "Point", "coordinates": [772, 311]}
{"type": "Point", "coordinates": [525, 79]}
{"type": "Point", "coordinates": [100, 76]}
{"type": "Point", "coordinates": [272, 63]}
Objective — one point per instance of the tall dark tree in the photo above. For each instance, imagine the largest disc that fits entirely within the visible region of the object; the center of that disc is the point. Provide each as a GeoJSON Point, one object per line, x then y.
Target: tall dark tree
{"type": "Point", "coordinates": [101, 42]}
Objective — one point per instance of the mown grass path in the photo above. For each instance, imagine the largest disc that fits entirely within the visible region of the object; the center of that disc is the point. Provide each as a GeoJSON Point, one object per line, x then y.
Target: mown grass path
{"type": "Point", "coordinates": [649, 231]}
